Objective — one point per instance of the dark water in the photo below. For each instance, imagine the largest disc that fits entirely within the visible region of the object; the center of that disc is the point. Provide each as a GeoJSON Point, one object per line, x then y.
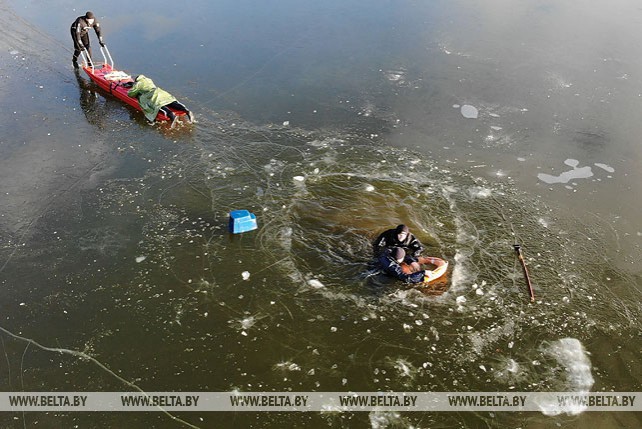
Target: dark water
{"type": "Point", "coordinates": [331, 122]}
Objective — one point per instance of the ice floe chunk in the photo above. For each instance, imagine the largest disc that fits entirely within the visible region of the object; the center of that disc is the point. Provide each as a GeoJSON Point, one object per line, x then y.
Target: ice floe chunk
{"type": "Point", "coordinates": [470, 112]}
{"type": "Point", "coordinates": [605, 167]}
{"type": "Point", "coordinates": [248, 322]}
{"type": "Point", "coordinates": [288, 366]}
{"type": "Point", "coordinates": [315, 284]}
{"type": "Point", "coordinates": [479, 192]}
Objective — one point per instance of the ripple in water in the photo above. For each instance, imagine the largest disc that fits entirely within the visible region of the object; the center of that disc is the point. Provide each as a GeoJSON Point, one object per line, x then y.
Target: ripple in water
{"type": "Point", "coordinates": [329, 321]}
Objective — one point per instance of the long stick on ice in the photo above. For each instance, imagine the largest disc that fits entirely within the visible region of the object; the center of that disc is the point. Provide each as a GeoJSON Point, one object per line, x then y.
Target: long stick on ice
{"type": "Point", "coordinates": [518, 249]}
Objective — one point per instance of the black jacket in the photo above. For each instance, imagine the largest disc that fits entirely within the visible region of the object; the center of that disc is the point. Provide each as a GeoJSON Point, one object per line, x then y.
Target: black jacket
{"type": "Point", "coordinates": [391, 267]}
{"type": "Point", "coordinates": [388, 239]}
{"type": "Point", "coordinates": [81, 27]}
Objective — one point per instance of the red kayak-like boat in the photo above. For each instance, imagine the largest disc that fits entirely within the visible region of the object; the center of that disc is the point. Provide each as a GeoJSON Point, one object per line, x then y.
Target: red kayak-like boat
{"type": "Point", "coordinates": [112, 80]}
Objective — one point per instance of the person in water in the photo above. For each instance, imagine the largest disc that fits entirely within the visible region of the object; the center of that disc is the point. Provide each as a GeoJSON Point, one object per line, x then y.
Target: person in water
{"type": "Point", "coordinates": [153, 99]}
{"type": "Point", "coordinates": [398, 237]}
{"type": "Point", "coordinates": [80, 35]}
{"type": "Point", "coordinates": [395, 262]}
{"type": "Point", "coordinates": [410, 267]}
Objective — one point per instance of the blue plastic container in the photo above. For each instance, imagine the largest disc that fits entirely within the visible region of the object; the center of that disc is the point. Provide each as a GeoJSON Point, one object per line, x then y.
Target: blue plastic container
{"type": "Point", "coordinates": [242, 221]}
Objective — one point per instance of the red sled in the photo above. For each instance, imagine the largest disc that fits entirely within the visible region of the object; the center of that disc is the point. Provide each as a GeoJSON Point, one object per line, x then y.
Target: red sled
{"type": "Point", "coordinates": [112, 80]}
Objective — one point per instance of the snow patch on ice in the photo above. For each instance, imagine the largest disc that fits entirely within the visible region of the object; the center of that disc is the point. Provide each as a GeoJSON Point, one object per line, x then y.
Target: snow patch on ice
{"type": "Point", "coordinates": [567, 176]}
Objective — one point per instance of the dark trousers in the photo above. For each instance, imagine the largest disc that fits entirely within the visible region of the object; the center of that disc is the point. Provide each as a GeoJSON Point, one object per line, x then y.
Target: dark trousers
{"type": "Point", "coordinates": [77, 49]}
{"type": "Point", "coordinates": [174, 105]}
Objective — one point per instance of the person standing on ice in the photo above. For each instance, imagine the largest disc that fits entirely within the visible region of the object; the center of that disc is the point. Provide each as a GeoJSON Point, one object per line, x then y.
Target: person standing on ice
{"type": "Point", "coordinates": [80, 35]}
